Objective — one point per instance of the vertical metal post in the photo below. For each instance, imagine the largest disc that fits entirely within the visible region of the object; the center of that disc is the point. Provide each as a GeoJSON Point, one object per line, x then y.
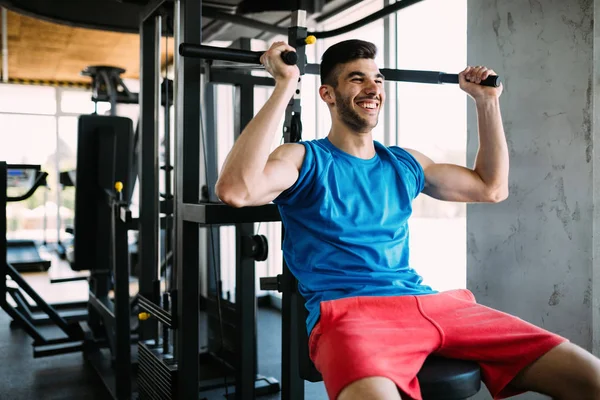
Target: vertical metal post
{"type": "Point", "coordinates": [292, 386]}
{"type": "Point", "coordinates": [245, 274]}
{"type": "Point", "coordinates": [3, 227]}
{"type": "Point", "coordinates": [122, 308]}
{"type": "Point", "coordinates": [188, 109]}
{"type": "Point", "coordinates": [148, 167]}
{"type": "Point", "coordinates": [58, 97]}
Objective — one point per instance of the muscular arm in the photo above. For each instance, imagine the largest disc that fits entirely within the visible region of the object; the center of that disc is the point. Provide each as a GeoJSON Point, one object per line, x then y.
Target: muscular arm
{"type": "Point", "coordinates": [250, 175]}
{"type": "Point", "coordinates": [488, 180]}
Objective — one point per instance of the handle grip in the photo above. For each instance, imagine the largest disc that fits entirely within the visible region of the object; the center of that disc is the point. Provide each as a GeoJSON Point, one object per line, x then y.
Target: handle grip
{"type": "Point", "coordinates": [289, 57]}
{"type": "Point", "coordinates": [492, 80]}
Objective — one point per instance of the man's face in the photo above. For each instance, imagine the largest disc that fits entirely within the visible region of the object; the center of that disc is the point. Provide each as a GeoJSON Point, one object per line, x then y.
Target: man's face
{"type": "Point", "coordinates": [359, 95]}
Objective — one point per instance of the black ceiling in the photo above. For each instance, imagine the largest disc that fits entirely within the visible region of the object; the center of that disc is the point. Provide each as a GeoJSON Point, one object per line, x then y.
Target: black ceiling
{"type": "Point", "coordinates": [124, 15]}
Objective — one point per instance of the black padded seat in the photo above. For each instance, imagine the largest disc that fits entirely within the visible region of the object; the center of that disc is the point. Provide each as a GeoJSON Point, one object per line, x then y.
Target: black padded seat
{"type": "Point", "coordinates": [448, 379]}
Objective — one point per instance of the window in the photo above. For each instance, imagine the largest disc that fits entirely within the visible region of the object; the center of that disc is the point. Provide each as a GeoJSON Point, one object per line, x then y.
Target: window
{"type": "Point", "coordinates": [373, 32]}
{"type": "Point", "coordinates": [432, 119]}
{"type": "Point", "coordinates": [27, 99]}
{"type": "Point", "coordinates": [31, 139]}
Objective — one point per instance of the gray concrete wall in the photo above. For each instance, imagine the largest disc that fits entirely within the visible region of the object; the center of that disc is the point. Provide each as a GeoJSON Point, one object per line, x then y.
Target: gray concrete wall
{"type": "Point", "coordinates": [532, 255]}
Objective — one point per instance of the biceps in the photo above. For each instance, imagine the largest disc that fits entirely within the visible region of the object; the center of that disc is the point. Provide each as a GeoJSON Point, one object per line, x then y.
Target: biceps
{"type": "Point", "coordinates": [451, 182]}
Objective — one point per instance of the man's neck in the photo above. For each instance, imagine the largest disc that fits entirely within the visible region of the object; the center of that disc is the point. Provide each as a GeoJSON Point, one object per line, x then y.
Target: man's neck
{"type": "Point", "coordinates": [357, 144]}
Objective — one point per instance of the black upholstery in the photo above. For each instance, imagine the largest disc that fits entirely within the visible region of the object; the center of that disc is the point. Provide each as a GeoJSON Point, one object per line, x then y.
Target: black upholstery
{"type": "Point", "coordinates": [439, 378]}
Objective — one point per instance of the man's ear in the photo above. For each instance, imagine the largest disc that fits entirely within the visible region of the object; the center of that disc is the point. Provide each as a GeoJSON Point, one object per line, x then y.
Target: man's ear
{"type": "Point", "coordinates": [327, 94]}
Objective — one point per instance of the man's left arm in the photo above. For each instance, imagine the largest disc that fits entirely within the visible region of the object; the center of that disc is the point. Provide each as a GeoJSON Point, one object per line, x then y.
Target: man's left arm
{"type": "Point", "coordinates": [487, 181]}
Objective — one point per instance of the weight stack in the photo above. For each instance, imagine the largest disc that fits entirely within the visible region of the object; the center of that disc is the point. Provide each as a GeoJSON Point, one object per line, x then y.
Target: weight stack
{"type": "Point", "coordinates": [157, 372]}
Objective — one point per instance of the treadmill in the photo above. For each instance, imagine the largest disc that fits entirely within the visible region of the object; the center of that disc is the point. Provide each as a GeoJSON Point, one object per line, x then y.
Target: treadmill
{"type": "Point", "coordinates": [24, 254]}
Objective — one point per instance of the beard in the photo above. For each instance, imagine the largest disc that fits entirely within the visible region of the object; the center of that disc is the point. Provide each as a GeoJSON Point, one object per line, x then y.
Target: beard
{"type": "Point", "coordinates": [350, 117]}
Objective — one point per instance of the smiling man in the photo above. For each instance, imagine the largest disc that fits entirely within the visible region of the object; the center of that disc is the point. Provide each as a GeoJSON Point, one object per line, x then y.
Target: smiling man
{"type": "Point", "coordinates": [345, 201]}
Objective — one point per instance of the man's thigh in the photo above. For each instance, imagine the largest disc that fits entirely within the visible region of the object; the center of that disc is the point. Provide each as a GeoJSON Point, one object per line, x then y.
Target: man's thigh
{"type": "Point", "coordinates": [502, 344]}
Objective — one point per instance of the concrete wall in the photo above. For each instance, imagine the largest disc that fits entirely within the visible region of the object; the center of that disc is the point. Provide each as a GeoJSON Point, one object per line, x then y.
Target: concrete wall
{"type": "Point", "coordinates": [532, 255]}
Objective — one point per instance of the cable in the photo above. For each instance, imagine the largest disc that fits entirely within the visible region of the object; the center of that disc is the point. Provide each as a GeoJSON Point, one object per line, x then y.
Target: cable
{"type": "Point", "coordinates": [212, 242]}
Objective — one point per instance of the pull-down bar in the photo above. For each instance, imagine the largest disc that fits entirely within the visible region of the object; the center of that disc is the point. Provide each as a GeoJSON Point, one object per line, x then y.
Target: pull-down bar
{"type": "Point", "coordinates": [253, 57]}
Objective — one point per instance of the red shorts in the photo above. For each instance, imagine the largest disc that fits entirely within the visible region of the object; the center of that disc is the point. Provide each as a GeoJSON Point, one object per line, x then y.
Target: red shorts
{"type": "Point", "coordinates": [391, 337]}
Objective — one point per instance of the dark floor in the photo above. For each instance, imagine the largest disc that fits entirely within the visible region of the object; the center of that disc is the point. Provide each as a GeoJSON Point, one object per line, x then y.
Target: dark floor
{"type": "Point", "coordinates": [67, 377]}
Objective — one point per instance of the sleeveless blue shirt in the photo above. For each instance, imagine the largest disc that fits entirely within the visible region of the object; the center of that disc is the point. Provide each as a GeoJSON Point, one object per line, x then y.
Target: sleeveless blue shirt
{"type": "Point", "coordinates": [346, 224]}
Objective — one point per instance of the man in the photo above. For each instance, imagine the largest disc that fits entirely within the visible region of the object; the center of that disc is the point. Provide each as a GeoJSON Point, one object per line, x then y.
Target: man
{"type": "Point", "coordinates": [345, 201]}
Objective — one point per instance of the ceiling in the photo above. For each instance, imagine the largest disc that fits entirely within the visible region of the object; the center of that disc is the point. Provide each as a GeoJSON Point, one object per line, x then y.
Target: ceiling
{"type": "Point", "coordinates": [54, 40]}
{"type": "Point", "coordinates": [42, 50]}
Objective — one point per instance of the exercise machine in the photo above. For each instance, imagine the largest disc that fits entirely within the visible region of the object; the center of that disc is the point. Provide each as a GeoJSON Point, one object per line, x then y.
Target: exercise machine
{"type": "Point", "coordinates": [175, 372]}
{"type": "Point", "coordinates": [25, 254]}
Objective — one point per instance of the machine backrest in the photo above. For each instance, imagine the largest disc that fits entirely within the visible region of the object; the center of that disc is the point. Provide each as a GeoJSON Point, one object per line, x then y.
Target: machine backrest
{"type": "Point", "coordinates": [104, 154]}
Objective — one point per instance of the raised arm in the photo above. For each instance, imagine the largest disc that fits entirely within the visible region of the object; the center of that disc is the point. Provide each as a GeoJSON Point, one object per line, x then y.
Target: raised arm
{"type": "Point", "coordinates": [250, 175]}
{"type": "Point", "coordinates": [487, 181]}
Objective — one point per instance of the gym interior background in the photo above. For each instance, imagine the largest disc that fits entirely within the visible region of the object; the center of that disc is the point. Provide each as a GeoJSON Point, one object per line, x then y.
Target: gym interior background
{"type": "Point", "coordinates": [533, 255]}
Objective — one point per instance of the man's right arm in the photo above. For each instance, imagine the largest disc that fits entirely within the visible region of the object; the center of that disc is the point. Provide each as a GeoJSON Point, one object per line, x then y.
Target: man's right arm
{"type": "Point", "coordinates": [250, 175]}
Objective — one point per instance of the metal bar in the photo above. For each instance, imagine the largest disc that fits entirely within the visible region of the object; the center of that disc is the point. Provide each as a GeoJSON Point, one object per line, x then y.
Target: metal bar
{"type": "Point", "coordinates": [48, 350]}
{"type": "Point", "coordinates": [60, 321]}
{"type": "Point", "coordinates": [22, 305]}
{"type": "Point", "coordinates": [245, 271]}
{"type": "Point", "coordinates": [367, 20]}
{"type": "Point", "coordinates": [211, 142]}
{"type": "Point", "coordinates": [31, 330]}
{"type": "Point", "coordinates": [292, 386]}
{"type": "Point", "coordinates": [148, 166]}
{"type": "Point", "coordinates": [190, 50]}
{"type": "Point", "coordinates": [243, 21]}
{"type": "Point", "coordinates": [40, 180]}
{"type": "Point", "coordinates": [245, 301]}
{"type": "Point", "coordinates": [149, 12]}
{"type": "Point", "coordinates": [222, 214]}
{"type": "Point", "coordinates": [223, 76]}
{"type": "Point", "coordinates": [3, 228]}
{"type": "Point", "coordinates": [122, 309]}
{"type": "Point", "coordinates": [345, 6]}
{"type": "Point", "coordinates": [103, 306]}
{"type": "Point", "coordinates": [156, 311]}
{"type": "Point", "coordinates": [401, 75]}
{"type": "Point", "coordinates": [70, 279]}
{"type": "Point", "coordinates": [188, 108]}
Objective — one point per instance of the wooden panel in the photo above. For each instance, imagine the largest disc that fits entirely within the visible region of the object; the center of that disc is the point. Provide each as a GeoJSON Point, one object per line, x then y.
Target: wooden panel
{"type": "Point", "coordinates": [43, 50]}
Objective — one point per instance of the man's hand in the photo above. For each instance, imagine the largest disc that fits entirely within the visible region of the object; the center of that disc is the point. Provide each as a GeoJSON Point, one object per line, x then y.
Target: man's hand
{"type": "Point", "coordinates": [469, 80]}
{"type": "Point", "coordinates": [275, 65]}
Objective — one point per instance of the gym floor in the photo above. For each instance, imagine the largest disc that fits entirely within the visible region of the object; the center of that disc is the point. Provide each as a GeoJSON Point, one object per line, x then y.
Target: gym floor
{"type": "Point", "coordinates": [68, 377]}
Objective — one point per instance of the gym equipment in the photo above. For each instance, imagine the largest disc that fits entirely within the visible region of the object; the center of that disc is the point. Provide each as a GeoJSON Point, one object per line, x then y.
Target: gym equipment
{"type": "Point", "coordinates": [196, 213]}
{"type": "Point", "coordinates": [24, 254]}
{"type": "Point", "coordinates": [23, 313]}
{"type": "Point", "coordinates": [102, 219]}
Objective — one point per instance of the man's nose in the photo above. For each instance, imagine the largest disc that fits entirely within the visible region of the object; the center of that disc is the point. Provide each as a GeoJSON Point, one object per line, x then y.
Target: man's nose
{"type": "Point", "coordinates": [372, 88]}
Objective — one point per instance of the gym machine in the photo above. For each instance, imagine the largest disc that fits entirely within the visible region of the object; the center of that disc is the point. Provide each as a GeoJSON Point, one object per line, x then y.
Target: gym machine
{"type": "Point", "coordinates": [175, 370]}
{"type": "Point", "coordinates": [24, 254]}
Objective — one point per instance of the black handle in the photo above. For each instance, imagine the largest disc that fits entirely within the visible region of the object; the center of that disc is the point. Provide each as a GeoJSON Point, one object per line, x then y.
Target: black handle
{"type": "Point", "coordinates": [492, 80]}
{"type": "Point", "coordinates": [290, 57]}
{"type": "Point", "coordinates": [233, 55]}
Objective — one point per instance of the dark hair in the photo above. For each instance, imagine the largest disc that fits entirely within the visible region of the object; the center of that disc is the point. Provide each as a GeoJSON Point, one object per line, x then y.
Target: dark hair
{"type": "Point", "coordinates": [341, 53]}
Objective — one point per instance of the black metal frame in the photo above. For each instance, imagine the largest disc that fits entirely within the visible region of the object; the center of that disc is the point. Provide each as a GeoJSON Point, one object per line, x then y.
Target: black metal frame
{"type": "Point", "coordinates": [22, 314]}
{"type": "Point", "coordinates": [179, 367]}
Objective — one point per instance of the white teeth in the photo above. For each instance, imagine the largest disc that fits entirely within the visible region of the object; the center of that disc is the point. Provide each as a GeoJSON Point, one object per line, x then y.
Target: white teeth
{"type": "Point", "coordinates": [368, 105]}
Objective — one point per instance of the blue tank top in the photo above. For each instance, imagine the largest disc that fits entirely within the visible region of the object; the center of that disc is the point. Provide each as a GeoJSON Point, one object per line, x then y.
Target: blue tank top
{"type": "Point", "coordinates": [346, 224]}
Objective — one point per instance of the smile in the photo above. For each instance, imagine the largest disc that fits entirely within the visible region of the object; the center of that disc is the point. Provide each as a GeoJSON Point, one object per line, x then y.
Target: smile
{"type": "Point", "coordinates": [368, 105]}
